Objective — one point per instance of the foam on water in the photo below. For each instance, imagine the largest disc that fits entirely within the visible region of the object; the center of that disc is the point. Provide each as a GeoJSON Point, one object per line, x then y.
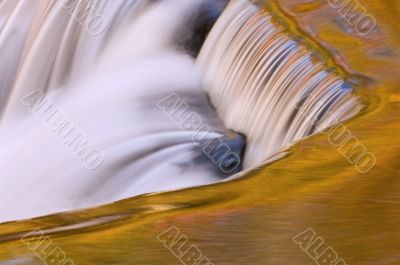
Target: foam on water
{"type": "Point", "coordinates": [89, 117]}
{"type": "Point", "coordinates": [105, 89]}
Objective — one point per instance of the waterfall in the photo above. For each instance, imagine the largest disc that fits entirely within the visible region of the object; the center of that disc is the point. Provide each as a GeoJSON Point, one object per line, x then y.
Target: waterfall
{"type": "Point", "coordinates": [84, 116]}
{"type": "Point", "coordinates": [103, 100]}
{"type": "Point", "coordinates": [266, 85]}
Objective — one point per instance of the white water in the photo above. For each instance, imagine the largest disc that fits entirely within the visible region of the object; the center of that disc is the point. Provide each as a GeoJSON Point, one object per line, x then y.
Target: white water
{"type": "Point", "coordinates": [267, 86]}
{"type": "Point", "coordinates": [107, 87]}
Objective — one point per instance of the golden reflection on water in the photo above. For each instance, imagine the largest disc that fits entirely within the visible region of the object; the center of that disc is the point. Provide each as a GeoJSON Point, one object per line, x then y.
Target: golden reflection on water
{"type": "Point", "coordinates": [253, 220]}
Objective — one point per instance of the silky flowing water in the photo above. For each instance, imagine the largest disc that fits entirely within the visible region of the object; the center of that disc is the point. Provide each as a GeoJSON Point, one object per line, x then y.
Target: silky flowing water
{"type": "Point", "coordinates": [248, 220]}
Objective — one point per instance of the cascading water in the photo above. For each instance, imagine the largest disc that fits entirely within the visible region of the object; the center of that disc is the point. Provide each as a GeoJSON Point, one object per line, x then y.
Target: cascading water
{"type": "Point", "coordinates": [82, 118]}
{"type": "Point", "coordinates": [61, 118]}
{"type": "Point", "coordinates": [266, 85]}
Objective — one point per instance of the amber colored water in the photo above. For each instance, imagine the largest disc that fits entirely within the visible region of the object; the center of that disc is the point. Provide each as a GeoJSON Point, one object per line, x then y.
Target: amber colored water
{"type": "Point", "coordinates": [252, 220]}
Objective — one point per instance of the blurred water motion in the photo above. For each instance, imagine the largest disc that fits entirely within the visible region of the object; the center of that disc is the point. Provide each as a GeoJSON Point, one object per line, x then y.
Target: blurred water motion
{"type": "Point", "coordinates": [252, 220]}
